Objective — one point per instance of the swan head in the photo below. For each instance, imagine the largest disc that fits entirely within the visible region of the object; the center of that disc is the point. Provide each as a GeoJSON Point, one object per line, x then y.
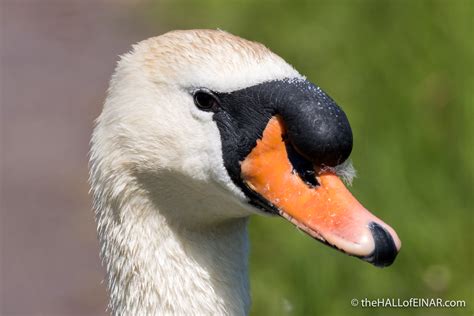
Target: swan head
{"type": "Point", "coordinates": [209, 127]}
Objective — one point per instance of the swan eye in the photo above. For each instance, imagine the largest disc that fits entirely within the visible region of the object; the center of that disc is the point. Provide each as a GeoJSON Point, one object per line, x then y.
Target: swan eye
{"type": "Point", "coordinates": [206, 100]}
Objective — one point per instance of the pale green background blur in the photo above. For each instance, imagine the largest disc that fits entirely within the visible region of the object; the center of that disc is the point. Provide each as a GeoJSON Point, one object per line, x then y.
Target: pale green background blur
{"type": "Point", "coordinates": [402, 71]}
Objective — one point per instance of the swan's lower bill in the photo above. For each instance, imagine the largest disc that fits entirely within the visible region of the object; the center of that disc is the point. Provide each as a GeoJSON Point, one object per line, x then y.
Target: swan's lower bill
{"type": "Point", "coordinates": [323, 208]}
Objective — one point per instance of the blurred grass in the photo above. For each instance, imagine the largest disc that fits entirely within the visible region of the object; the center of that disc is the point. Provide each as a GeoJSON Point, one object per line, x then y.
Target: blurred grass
{"type": "Point", "coordinates": [403, 72]}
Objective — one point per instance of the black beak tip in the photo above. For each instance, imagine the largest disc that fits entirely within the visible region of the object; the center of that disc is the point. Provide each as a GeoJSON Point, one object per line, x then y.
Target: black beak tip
{"type": "Point", "coordinates": [385, 250]}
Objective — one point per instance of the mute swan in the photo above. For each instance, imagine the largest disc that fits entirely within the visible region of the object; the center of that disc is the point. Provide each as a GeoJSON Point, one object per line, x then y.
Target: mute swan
{"type": "Point", "coordinates": [200, 130]}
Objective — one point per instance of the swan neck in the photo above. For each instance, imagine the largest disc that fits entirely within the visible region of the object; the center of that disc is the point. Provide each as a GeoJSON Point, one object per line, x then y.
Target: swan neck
{"type": "Point", "coordinates": [155, 266]}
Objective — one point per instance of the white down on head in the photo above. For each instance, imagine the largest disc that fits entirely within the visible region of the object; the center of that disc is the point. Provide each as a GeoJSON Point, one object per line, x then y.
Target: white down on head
{"type": "Point", "coordinates": [171, 223]}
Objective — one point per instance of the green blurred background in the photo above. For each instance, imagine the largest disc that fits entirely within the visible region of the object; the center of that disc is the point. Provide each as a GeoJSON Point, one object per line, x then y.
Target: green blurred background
{"type": "Point", "coordinates": [403, 72]}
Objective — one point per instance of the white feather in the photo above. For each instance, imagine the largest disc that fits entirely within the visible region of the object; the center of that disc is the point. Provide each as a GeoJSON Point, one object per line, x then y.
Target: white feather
{"type": "Point", "coordinates": [171, 223]}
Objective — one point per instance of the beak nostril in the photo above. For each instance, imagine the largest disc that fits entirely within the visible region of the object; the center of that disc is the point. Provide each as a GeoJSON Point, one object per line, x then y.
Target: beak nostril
{"type": "Point", "coordinates": [303, 167]}
{"type": "Point", "coordinates": [385, 250]}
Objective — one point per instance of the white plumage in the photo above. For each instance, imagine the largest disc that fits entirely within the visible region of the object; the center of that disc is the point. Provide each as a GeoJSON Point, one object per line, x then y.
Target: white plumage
{"type": "Point", "coordinates": [171, 223]}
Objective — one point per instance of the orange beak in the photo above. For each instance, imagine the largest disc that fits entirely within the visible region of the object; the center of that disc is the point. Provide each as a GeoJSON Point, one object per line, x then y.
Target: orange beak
{"type": "Point", "coordinates": [327, 212]}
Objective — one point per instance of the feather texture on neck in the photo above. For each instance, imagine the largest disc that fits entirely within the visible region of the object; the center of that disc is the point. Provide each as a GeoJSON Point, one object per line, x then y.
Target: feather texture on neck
{"type": "Point", "coordinates": [156, 265]}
